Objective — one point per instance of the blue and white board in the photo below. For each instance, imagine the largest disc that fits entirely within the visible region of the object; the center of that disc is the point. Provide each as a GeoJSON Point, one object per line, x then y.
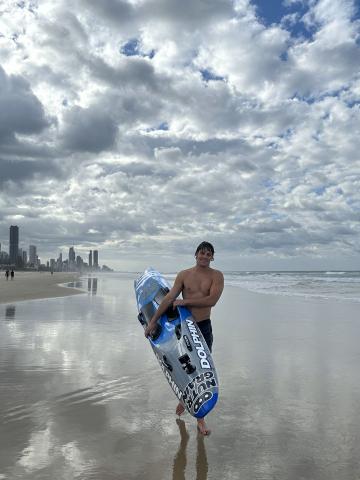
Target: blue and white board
{"type": "Point", "coordinates": [179, 347]}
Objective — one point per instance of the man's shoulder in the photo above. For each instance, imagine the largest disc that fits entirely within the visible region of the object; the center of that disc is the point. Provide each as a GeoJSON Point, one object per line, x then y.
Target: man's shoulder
{"type": "Point", "coordinates": [217, 273]}
{"type": "Point", "coordinates": [184, 273]}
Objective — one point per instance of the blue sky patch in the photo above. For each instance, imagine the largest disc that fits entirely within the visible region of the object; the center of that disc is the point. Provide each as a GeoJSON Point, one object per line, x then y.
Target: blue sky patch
{"type": "Point", "coordinates": [268, 183]}
{"type": "Point", "coordinates": [320, 190]}
{"type": "Point", "coordinates": [132, 48]}
{"type": "Point", "coordinates": [275, 12]}
{"type": "Point", "coordinates": [163, 126]}
{"type": "Point", "coordinates": [207, 75]}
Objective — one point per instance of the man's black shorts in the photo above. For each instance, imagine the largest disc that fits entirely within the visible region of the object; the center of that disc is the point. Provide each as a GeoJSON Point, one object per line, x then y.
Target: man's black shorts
{"type": "Point", "coordinates": [206, 330]}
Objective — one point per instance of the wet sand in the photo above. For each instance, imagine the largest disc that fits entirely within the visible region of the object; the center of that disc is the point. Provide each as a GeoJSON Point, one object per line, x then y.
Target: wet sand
{"type": "Point", "coordinates": [82, 395]}
{"type": "Point", "coordinates": [34, 285]}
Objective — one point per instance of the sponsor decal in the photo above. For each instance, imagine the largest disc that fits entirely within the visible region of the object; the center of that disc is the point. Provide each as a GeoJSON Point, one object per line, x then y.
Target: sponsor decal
{"type": "Point", "coordinates": [187, 343]}
{"type": "Point", "coordinates": [168, 377]}
{"type": "Point", "coordinates": [197, 391]}
{"type": "Point", "coordinates": [201, 400]}
{"type": "Point", "coordinates": [200, 349]}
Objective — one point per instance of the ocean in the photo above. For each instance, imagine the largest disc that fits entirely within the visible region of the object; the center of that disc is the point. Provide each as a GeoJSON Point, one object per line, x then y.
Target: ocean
{"type": "Point", "coordinates": [318, 284]}
{"type": "Point", "coordinates": [337, 285]}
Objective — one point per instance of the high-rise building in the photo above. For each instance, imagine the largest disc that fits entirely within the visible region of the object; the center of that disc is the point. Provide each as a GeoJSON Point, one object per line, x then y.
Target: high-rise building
{"type": "Point", "coordinates": [20, 256]}
{"type": "Point", "coordinates": [71, 258]}
{"type": "Point", "coordinates": [90, 259]}
{"type": "Point", "coordinates": [24, 257]}
{"type": "Point", "coordinates": [32, 255]}
{"type": "Point", "coordinates": [59, 263]}
{"type": "Point", "coordinates": [14, 244]}
{"type": "Point", "coordinates": [96, 259]}
{"type": "Point", "coordinates": [4, 257]}
{"type": "Point", "coordinates": [79, 262]}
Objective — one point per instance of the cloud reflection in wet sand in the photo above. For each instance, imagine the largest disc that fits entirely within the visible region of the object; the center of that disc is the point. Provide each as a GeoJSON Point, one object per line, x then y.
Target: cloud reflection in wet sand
{"type": "Point", "coordinates": [82, 395]}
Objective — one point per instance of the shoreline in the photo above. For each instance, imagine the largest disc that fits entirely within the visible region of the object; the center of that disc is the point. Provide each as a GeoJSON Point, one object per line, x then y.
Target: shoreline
{"type": "Point", "coordinates": [36, 285]}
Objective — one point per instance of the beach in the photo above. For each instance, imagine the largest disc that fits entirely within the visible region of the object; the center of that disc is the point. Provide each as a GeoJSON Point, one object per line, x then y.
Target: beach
{"type": "Point", "coordinates": [35, 285]}
{"type": "Point", "coordinates": [82, 395]}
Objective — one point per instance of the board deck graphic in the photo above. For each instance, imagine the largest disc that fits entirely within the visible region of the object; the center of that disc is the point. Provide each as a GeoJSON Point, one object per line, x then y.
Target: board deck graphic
{"type": "Point", "coordinates": [179, 347]}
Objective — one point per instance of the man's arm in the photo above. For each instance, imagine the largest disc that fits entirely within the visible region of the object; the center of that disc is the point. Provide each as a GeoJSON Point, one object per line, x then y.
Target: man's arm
{"type": "Point", "coordinates": [165, 304]}
{"type": "Point", "coordinates": [210, 300]}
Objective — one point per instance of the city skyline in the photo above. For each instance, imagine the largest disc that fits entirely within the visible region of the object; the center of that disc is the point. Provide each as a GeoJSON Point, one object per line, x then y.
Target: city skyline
{"type": "Point", "coordinates": [17, 256]}
{"type": "Point", "coordinates": [143, 128]}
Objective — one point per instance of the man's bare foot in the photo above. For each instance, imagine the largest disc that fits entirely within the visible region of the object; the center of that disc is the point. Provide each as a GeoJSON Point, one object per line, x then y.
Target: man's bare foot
{"type": "Point", "coordinates": [202, 428]}
{"type": "Point", "coordinates": [180, 409]}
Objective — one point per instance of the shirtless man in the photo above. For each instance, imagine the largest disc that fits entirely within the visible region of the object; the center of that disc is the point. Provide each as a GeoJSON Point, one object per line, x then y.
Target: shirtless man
{"type": "Point", "coordinates": [201, 287]}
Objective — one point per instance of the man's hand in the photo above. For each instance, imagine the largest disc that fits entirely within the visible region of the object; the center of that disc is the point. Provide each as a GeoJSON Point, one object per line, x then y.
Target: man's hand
{"type": "Point", "coordinates": [150, 329]}
{"type": "Point", "coordinates": [179, 303]}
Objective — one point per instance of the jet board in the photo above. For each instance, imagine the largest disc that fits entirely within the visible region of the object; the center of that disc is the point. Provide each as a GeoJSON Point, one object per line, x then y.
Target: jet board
{"type": "Point", "coordinates": [179, 347]}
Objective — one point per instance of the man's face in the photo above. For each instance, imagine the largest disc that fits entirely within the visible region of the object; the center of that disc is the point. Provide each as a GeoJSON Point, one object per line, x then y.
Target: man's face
{"type": "Point", "coordinates": [203, 258]}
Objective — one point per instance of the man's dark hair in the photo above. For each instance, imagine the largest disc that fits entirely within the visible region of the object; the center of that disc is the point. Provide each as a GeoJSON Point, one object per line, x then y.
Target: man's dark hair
{"type": "Point", "coordinates": [205, 246]}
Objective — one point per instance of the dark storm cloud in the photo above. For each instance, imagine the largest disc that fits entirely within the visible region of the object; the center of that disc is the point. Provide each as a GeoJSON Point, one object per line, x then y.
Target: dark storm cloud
{"type": "Point", "coordinates": [132, 169]}
{"type": "Point", "coordinates": [116, 11]}
{"type": "Point", "coordinates": [187, 12]}
{"type": "Point", "coordinates": [89, 130]}
{"type": "Point", "coordinates": [132, 72]}
{"type": "Point", "coordinates": [20, 110]}
{"type": "Point", "coordinates": [18, 171]}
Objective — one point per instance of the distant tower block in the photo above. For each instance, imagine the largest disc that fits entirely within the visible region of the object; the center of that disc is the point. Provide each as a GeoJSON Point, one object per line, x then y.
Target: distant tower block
{"type": "Point", "coordinates": [71, 255]}
{"type": "Point", "coordinates": [32, 255]}
{"type": "Point", "coordinates": [90, 259]}
{"type": "Point", "coordinates": [96, 259]}
{"type": "Point", "coordinates": [14, 244]}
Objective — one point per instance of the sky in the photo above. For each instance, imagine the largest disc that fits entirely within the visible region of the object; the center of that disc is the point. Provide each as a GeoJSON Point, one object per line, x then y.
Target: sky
{"type": "Point", "coordinates": [142, 127]}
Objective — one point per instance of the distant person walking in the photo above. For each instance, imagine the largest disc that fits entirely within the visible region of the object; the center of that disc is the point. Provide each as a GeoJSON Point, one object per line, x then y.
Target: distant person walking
{"type": "Point", "coordinates": [12, 274]}
{"type": "Point", "coordinates": [7, 274]}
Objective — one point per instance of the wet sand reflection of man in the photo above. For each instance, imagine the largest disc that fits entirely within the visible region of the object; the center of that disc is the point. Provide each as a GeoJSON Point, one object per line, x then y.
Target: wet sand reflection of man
{"type": "Point", "coordinates": [180, 457]}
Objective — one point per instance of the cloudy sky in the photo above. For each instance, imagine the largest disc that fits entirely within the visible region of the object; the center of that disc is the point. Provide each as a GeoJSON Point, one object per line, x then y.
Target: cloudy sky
{"type": "Point", "coordinates": [142, 127]}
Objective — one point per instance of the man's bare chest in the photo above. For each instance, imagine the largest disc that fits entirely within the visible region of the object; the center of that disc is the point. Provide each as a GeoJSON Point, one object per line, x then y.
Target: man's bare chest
{"type": "Point", "coordinates": [197, 286]}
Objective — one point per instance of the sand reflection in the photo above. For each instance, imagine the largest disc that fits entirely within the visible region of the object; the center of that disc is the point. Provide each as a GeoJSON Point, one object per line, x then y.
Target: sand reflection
{"type": "Point", "coordinates": [92, 285]}
{"type": "Point", "coordinates": [10, 312]}
{"type": "Point", "coordinates": [180, 457]}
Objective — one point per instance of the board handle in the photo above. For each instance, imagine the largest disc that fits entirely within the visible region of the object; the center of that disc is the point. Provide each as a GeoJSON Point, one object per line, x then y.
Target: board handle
{"type": "Point", "coordinates": [186, 364]}
{"type": "Point", "coordinates": [144, 323]}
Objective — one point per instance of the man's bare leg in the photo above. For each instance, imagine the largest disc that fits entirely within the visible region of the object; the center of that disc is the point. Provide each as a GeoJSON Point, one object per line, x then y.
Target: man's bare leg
{"type": "Point", "coordinates": [202, 427]}
{"type": "Point", "coordinates": [180, 409]}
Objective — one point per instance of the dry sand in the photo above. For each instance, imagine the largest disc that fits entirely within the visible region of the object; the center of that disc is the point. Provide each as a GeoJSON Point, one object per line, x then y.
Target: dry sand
{"type": "Point", "coordinates": [34, 285]}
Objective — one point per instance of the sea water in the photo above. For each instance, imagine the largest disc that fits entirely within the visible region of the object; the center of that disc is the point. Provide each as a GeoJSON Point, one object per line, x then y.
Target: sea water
{"type": "Point", "coordinates": [340, 285]}
{"type": "Point", "coordinates": [337, 285]}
